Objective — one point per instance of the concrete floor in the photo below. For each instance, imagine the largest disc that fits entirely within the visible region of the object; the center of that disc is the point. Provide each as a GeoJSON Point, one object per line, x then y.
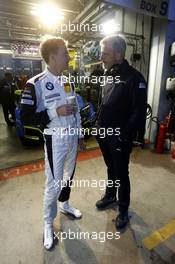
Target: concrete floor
{"type": "Point", "coordinates": [152, 206]}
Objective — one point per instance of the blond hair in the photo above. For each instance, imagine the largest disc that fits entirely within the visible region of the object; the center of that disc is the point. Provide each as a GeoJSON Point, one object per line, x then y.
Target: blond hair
{"type": "Point", "coordinates": [51, 46]}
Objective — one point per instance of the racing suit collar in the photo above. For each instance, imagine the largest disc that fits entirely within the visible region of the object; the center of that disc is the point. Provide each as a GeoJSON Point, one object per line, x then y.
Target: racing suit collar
{"type": "Point", "coordinates": [52, 76]}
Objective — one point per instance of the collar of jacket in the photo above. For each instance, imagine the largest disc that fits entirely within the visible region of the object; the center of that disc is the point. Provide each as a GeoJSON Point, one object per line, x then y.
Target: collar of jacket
{"type": "Point", "coordinates": [53, 77]}
{"type": "Point", "coordinates": [117, 69]}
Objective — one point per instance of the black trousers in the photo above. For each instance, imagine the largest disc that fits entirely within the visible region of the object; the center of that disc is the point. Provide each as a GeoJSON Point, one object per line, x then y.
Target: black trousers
{"type": "Point", "coordinates": [8, 109]}
{"type": "Point", "coordinates": [117, 163]}
{"type": "Point", "coordinates": [65, 192]}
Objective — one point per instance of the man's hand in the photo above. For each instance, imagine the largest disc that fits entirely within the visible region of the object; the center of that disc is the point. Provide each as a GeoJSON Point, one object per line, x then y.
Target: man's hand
{"type": "Point", "coordinates": [66, 109]}
{"type": "Point", "coordinates": [81, 144]}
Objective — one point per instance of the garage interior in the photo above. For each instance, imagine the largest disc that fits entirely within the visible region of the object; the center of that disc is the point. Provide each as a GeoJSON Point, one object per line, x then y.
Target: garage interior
{"type": "Point", "coordinates": [150, 236]}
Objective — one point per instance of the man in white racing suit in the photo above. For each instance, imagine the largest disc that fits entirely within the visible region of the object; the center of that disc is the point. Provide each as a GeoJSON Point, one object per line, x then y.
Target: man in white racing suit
{"type": "Point", "coordinates": [49, 101]}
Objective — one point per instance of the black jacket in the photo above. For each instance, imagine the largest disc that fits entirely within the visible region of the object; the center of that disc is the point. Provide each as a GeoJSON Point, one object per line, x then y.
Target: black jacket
{"type": "Point", "coordinates": [123, 103]}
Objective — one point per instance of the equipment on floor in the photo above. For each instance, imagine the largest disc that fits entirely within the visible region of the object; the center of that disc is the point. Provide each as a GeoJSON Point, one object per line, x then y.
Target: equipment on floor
{"type": "Point", "coordinates": [170, 91]}
{"type": "Point", "coordinates": [172, 54]}
{"type": "Point", "coordinates": [173, 152]}
{"type": "Point", "coordinates": [161, 138]}
{"type": "Point", "coordinates": [165, 133]}
{"type": "Point", "coordinates": [170, 122]}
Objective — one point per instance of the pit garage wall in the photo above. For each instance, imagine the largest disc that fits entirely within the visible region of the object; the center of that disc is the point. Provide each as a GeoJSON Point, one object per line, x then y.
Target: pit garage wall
{"type": "Point", "coordinates": [159, 70]}
{"type": "Point", "coordinates": [126, 19]}
{"type": "Point", "coordinates": [130, 27]}
{"type": "Point", "coordinates": [155, 60]}
{"type": "Point", "coordinates": [164, 106]}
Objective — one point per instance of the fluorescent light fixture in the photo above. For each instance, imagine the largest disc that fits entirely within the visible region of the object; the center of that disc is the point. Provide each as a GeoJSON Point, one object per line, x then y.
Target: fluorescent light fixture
{"type": "Point", "coordinates": [5, 51]}
{"type": "Point", "coordinates": [48, 14]}
{"type": "Point", "coordinates": [110, 27]}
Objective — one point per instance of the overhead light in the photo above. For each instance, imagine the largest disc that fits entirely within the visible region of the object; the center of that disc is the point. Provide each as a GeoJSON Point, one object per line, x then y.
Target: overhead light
{"type": "Point", "coordinates": [110, 27]}
{"type": "Point", "coordinates": [1, 47]}
{"type": "Point", "coordinates": [48, 14]}
{"type": "Point", "coordinates": [5, 51]}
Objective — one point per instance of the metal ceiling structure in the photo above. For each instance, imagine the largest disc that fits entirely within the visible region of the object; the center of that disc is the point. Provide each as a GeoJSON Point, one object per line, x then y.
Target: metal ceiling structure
{"type": "Point", "coordinates": [18, 24]}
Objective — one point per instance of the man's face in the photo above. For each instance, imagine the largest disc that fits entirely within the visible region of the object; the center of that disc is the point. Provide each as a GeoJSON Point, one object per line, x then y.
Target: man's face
{"type": "Point", "coordinates": [60, 60]}
{"type": "Point", "coordinates": [109, 56]}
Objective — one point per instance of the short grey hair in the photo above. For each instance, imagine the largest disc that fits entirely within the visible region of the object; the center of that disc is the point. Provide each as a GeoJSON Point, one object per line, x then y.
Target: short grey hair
{"type": "Point", "coordinates": [117, 42]}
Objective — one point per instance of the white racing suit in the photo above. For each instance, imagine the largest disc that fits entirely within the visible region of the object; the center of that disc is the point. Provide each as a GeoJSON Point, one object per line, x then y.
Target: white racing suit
{"type": "Point", "coordinates": [42, 95]}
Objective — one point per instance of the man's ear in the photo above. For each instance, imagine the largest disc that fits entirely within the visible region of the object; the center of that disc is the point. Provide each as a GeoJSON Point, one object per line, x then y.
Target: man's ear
{"type": "Point", "coordinates": [52, 57]}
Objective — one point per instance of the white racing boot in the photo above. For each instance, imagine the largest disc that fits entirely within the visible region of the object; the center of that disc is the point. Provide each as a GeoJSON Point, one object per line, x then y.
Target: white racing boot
{"type": "Point", "coordinates": [67, 209]}
{"type": "Point", "coordinates": [48, 236]}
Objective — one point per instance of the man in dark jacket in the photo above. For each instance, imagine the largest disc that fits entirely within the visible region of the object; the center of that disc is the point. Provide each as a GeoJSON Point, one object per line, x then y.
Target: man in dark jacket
{"type": "Point", "coordinates": [7, 88]}
{"type": "Point", "coordinates": [122, 108]}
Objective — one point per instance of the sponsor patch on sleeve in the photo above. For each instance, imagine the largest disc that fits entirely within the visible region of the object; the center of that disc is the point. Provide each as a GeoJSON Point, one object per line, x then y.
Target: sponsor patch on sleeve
{"type": "Point", "coordinates": [27, 101]}
{"type": "Point", "coordinates": [26, 95]}
{"type": "Point", "coordinates": [27, 91]}
{"type": "Point", "coordinates": [142, 86]}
